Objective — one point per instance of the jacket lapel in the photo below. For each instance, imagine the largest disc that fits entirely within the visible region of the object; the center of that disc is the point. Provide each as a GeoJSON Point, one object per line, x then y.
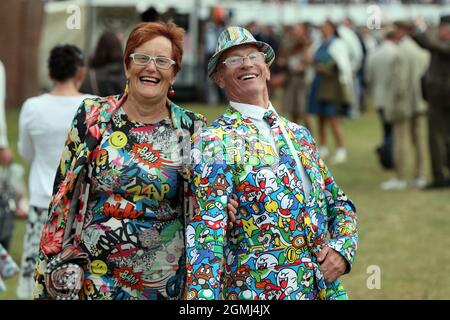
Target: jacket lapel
{"type": "Point", "coordinates": [306, 154]}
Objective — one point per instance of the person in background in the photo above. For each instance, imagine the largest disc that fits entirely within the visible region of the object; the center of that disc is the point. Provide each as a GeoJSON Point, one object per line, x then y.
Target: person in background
{"type": "Point", "coordinates": [331, 91]}
{"type": "Point", "coordinates": [437, 88]}
{"type": "Point", "coordinates": [380, 80]}
{"type": "Point", "coordinates": [105, 75]}
{"type": "Point", "coordinates": [5, 153]}
{"type": "Point", "coordinates": [43, 125]}
{"type": "Point", "coordinates": [299, 59]}
{"type": "Point", "coordinates": [8, 267]}
{"type": "Point", "coordinates": [356, 54]}
{"type": "Point", "coordinates": [212, 28]}
{"type": "Point", "coordinates": [408, 112]}
{"type": "Point", "coordinates": [13, 203]}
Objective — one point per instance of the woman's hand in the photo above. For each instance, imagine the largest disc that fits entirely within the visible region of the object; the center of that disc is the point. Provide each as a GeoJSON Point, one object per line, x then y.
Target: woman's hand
{"type": "Point", "coordinates": [232, 210]}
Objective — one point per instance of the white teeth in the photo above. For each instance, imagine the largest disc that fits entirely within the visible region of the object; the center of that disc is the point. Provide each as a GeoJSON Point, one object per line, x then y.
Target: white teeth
{"type": "Point", "coordinates": [151, 79]}
{"type": "Point", "coordinates": [248, 76]}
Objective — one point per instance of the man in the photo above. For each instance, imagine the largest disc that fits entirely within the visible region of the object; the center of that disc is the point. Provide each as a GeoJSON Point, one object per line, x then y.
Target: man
{"type": "Point", "coordinates": [437, 88]}
{"type": "Point", "coordinates": [289, 203]}
{"type": "Point", "coordinates": [408, 112]}
{"type": "Point", "coordinates": [380, 78]}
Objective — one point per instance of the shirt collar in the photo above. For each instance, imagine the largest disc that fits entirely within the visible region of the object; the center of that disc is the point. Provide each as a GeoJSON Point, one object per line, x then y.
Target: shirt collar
{"type": "Point", "coordinates": [252, 111]}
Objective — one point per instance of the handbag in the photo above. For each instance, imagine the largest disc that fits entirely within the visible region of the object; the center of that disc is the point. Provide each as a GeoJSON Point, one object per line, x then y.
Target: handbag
{"type": "Point", "coordinates": [64, 275]}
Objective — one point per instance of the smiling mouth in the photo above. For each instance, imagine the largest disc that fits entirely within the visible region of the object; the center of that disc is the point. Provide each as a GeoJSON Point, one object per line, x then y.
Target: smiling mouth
{"type": "Point", "coordinates": [149, 80]}
{"type": "Point", "coordinates": [248, 76]}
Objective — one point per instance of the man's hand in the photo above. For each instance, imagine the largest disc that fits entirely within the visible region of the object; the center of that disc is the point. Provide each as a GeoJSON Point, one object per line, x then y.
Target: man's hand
{"type": "Point", "coordinates": [332, 264]}
{"type": "Point", "coordinates": [232, 210]}
{"type": "Point", "coordinates": [6, 156]}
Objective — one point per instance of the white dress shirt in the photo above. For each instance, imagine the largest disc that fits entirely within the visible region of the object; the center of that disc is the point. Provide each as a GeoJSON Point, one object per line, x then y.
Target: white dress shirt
{"type": "Point", "coordinates": [256, 114]}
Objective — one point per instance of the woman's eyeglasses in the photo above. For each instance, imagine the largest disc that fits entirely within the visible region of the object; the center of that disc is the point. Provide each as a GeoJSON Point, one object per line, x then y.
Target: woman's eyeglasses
{"type": "Point", "coordinates": [143, 59]}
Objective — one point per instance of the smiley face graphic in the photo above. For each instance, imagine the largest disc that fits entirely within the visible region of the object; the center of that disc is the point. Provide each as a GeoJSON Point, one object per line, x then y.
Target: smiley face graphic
{"type": "Point", "coordinates": [118, 139]}
{"type": "Point", "coordinates": [98, 267]}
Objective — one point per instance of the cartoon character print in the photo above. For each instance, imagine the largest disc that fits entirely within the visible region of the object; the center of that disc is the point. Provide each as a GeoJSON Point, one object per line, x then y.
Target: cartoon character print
{"type": "Point", "coordinates": [288, 177]}
{"type": "Point", "coordinates": [264, 265]}
{"type": "Point", "coordinates": [272, 215]}
{"type": "Point", "coordinates": [287, 281]}
{"type": "Point", "coordinates": [202, 244]}
{"type": "Point", "coordinates": [241, 278]}
{"type": "Point", "coordinates": [266, 180]}
{"type": "Point", "coordinates": [220, 186]}
{"type": "Point", "coordinates": [264, 222]}
{"type": "Point", "coordinates": [203, 276]}
{"type": "Point", "coordinates": [251, 194]}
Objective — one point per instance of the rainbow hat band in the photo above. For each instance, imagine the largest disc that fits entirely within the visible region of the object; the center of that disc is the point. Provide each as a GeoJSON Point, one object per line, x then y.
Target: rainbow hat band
{"type": "Point", "coordinates": [236, 36]}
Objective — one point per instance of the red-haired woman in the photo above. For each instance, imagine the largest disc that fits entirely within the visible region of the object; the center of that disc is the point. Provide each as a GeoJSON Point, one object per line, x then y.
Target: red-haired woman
{"type": "Point", "coordinates": [121, 178]}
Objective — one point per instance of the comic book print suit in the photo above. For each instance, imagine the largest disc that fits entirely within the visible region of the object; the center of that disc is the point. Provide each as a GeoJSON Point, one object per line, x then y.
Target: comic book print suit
{"type": "Point", "coordinates": [132, 203]}
{"type": "Point", "coordinates": [271, 251]}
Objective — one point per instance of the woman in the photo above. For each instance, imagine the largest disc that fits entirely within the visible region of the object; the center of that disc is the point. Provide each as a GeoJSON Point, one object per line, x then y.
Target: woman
{"type": "Point", "coordinates": [329, 95]}
{"type": "Point", "coordinates": [43, 124]}
{"type": "Point", "coordinates": [131, 200]}
{"type": "Point", "coordinates": [106, 76]}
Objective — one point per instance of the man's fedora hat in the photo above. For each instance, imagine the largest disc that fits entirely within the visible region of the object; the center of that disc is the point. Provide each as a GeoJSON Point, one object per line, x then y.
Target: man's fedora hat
{"type": "Point", "coordinates": [236, 36]}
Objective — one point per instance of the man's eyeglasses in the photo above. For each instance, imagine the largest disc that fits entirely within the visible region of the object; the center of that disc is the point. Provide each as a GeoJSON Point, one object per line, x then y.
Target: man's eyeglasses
{"type": "Point", "coordinates": [236, 61]}
{"type": "Point", "coordinates": [160, 62]}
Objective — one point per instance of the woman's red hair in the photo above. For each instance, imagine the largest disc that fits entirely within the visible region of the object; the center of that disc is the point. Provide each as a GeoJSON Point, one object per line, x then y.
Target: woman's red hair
{"type": "Point", "coordinates": [146, 31]}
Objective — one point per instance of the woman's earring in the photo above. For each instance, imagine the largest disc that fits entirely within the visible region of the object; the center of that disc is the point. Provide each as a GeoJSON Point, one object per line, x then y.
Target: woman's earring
{"type": "Point", "coordinates": [171, 91]}
{"type": "Point", "coordinates": [126, 86]}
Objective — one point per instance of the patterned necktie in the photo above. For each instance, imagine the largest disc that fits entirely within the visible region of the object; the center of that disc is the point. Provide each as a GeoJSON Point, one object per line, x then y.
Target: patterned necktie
{"type": "Point", "coordinates": [274, 123]}
{"type": "Point", "coordinates": [289, 178]}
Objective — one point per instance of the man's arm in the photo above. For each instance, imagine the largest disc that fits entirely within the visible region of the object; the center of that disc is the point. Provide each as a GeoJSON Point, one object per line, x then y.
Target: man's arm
{"type": "Point", "coordinates": [205, 234]}
{"type": "Point", "coordinates": [427, 41]}
{"type": "Point", "coordinates": [341, 219]}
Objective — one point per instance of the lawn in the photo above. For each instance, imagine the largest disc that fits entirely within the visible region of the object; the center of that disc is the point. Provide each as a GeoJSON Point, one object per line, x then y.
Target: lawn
{"type": "Point", "coordinates": [404, 233]}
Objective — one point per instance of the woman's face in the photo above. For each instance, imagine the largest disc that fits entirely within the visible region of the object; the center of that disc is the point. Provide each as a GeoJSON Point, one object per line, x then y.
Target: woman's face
{"type": "Point", "coordinates": [148, 81]}
{"type": "Point", "coordinates": [326, 29]}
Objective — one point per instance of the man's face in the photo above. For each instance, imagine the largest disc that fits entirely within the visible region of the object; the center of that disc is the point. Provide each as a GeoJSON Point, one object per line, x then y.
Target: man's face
{"type": "Point", "coordinates": [444, 31]}
{"type": "Point", "coordinates": [243, 80]}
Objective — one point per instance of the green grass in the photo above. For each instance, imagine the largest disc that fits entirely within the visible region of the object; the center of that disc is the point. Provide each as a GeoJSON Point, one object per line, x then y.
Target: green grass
{"type": "Point", "coordinates": [405, 233]}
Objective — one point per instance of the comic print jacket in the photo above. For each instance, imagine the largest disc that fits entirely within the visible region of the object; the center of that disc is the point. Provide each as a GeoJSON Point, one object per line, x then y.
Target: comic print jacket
{"type": "Point", "coordinates": [72, 190]}
{"type": "Point", "coordinates": [271, 251]}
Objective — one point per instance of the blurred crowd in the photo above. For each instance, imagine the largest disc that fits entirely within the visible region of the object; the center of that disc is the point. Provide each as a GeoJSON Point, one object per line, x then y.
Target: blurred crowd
{"type": "Point", "coordinates": [338, 70]}
{"type": "Point", "coordinates": [323, 73]}
{"type": "Point", "coordinates": [359, 1]}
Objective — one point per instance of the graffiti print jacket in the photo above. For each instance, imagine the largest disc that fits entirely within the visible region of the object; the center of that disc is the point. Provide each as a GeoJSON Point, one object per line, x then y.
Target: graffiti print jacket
{"type": "Point", "coordinates": [271, 251]}
{"type": "Point", "coordinates": [71, 191]}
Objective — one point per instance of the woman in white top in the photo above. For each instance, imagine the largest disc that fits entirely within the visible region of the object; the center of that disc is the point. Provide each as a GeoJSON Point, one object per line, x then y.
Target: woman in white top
{"type": "Point", "coordinates": [43, 126]}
